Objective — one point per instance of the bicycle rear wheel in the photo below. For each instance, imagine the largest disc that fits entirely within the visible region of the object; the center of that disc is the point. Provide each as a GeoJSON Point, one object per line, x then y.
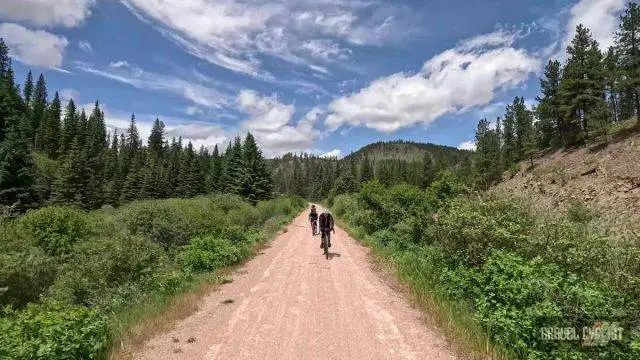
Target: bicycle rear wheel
{"type": "Point", "coordinates": [325, 245]}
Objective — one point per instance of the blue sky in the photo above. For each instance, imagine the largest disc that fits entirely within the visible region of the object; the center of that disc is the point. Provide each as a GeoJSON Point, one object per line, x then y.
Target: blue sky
{"type": "Point", "coordinates": [322, 76]}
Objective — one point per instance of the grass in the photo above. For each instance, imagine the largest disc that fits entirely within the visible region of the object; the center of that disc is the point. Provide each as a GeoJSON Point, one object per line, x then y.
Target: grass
{"type": "Point", "coordinates": [141, 322]}
{"type": "Point", "coordinates": [456, 322]}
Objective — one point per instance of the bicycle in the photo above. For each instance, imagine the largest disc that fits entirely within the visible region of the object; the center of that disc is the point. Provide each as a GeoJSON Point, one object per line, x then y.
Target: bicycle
{"type": "Point", "coordinates": [314, 227]}
{"type": "Point", "coordinates": [325, 243]}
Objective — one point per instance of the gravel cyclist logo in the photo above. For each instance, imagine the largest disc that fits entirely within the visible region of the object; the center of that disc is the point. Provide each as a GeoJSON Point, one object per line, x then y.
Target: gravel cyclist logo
{"type": "Point", "coordinates": [599, 334]}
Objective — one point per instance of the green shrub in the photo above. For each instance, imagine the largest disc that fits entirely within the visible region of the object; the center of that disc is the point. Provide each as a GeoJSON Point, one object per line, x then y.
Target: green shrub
{"type": "Point", "coordinates": [579, 213]}
{"type": "Point", "coordinates": [470, 227]}
{"type": "Point", "coordinates": [101, 266]}
{"type": "Point", "coordinates": [53, 331]}
{"type": "Point", "coordinates": [159, 221]}
{"type": "Point", "coordinates": [55, 229]}
{"type": "Point", "coordinates": [208, 253]}
{"type": "Point", "coordinates": [25, 275]}
{"type": "Point", "coordinates": [515, 298]}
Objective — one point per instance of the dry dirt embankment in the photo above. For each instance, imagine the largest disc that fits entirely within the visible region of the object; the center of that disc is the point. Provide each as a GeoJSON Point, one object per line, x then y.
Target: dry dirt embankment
{"type": "Point", "coordinates": [605, 178]}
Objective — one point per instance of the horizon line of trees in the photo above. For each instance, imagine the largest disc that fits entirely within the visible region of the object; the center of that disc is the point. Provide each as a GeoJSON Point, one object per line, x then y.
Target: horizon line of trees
{"type": "Point", "coordinates": [579, 100]}
{"type": "Point", "coordinates": [50, 155]}
{"type": "Point", "coordinates": [316, 178]}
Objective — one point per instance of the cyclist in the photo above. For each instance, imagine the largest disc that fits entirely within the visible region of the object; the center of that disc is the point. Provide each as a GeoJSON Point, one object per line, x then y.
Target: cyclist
{"type": "Point", "coordinates": [313, 218]}
{"type": "Point", "coordinates": [325, 221]}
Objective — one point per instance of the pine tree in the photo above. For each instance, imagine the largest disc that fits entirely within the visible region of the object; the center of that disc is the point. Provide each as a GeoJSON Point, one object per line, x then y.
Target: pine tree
{"type": "Point", "coordinates": [133, 181]}
{"type": "Point", "coordinates": [628, 47]}
{"type": "Point", "coordinates": [112, 189]}
{"type": "Point", "coordinates": [523, 128]}
{"type": "Point", "coordinates": [51, 131]}
{"type": "Point", "coordinates": [613, 80]}
{"type": "Point", "coordinates": [27, 92]}
{"type": "Point", "coordinates": [509, 138]}
{"type": "Point", "coordinates": [155, 144]}
{"type": "Point", "coordinates": [366, 171]}
{"type": "Point", "coordinates": [257, 182]}
{"type": "Point", "coordinates": [582, 85]}
{"type": "Point", "coordinates": [69, 128]}
{"type": "Point", "coordinates": [71, 186]}
{"type": "Point", "coordinates": [17, 171]}
{"type": "Point", "coordinates": [548, 110]}
{"type": "Point", "coordinates": [215, 172]}
{"type": "Point", "coordinates": [95, 146]}
{"type": "Point", "coordinates": [82, 128]}
{"type": "Point", "coordinates": [11, 106]}
{"type": "Point", "coordinates": [427, 171]}
{"type": "Point", "coordinates": [38, 115]}
{"type": "Point", "coordinates": [174, 169]}
{"type": "Point", "coordinates": [233, 176]}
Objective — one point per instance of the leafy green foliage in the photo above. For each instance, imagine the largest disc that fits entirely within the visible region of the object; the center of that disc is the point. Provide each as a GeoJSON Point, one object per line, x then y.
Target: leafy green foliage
{"type": "Point", "coordinates": [25, 275]}
{"type": "Point", "coordinates": [53, 331]}
{"type": "Point", "coordinates": [208, 253]}
{"type": "Point", "coordinates": [72, 275]}
{"type": "Point", "coordinates": [516, 270]}
{"type": "Point", "coordinates": [99, 267]}
{"type": "Point", "coordinates": [55, 229]}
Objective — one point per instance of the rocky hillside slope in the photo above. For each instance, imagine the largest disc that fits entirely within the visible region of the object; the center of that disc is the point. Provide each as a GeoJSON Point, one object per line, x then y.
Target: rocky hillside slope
{"type": "Point", "coordinates": [604, 177]}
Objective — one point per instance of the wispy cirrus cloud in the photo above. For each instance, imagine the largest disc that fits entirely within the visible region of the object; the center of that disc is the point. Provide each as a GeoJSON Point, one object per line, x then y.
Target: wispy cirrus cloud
{"type": "Point", "coordinates": [237, 34]}
{"type": "Point", "coordinates": [124, 72]}
{"type": "Point", "coordinates": [85, 46]}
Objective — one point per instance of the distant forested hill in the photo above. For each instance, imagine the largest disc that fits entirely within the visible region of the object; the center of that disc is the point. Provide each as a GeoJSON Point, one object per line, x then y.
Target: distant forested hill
{"type": "Point", "coordinates": [393, 162]}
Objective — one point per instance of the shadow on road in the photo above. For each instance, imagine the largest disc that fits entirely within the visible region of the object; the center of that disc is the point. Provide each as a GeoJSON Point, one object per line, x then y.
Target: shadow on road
{"type": "Point", "coordinates": [332, 254]}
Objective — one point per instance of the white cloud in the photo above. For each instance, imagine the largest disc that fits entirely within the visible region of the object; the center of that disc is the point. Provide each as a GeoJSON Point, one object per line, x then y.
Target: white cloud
{"type": "Point", "coordinates": [455, 80]}
{"type": "Point", "coordinates": [327, 50]}
{"type": "Point", "coordinates": [34, 47]}
{"type": "Point", "coordinates": [467, 145]}
{"type": "Point", "coordinates": [600, 16]}
{"type": "Point", "coordinates": [67, 13]}
{"type": "Point", "coordinates": [195, 131]}
{"type": "Point", "coordinates": [335, 153]}
{"type": "Point", "coordinates": [193, 110]}
{"type": "Point", "coordinates": [233, 33]}
{"type": "Point", "coordinates": [67, 94]}
{"type": "Point", "coordinates": [85, 46]}
{"type": "Point", "coordinates": [266, 113]}
{"type": "Point", "coordinates": [271, 123]}
{"type": "Point", "coordinates": [126, 73]}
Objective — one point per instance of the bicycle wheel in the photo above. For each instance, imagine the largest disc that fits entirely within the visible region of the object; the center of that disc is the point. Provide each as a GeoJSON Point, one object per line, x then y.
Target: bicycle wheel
{"type": "Point", "coordinates": [325, 244]}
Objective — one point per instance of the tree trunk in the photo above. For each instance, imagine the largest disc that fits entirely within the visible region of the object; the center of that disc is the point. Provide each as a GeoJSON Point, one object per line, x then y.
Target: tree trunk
{"type": "Point", "coordinates": [637, 103]}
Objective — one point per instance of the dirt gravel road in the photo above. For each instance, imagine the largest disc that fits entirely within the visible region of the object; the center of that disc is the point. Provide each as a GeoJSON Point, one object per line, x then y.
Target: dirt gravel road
{"type": "Point", "coordinates": [292, 303]}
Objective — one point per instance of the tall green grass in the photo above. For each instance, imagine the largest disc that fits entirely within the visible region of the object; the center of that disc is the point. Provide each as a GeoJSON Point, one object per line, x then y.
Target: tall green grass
{"type": "Point", "coordinates": [72, 282]}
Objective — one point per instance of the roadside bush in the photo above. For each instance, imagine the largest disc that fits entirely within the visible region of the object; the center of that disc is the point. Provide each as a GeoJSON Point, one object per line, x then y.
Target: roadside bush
{"type": "Point", "coordinates": [514, 298]}
{"type": "Point", "coordinates": [101, 266]}
{"type": "Point", "coordinates": [79, 266]}
{"type": "Point", "coordinates": [24, 276]}
{"type": "Point", "coordinates": [53, 331]}
{"type": "Point", "coordinates": [160, 222]}
{"type": "Point", "coordinates": [208, 253]}
{"type": "Point", "coordinates": [54, 229]}
{"type": "Point", "coordinates": [470, 227]}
